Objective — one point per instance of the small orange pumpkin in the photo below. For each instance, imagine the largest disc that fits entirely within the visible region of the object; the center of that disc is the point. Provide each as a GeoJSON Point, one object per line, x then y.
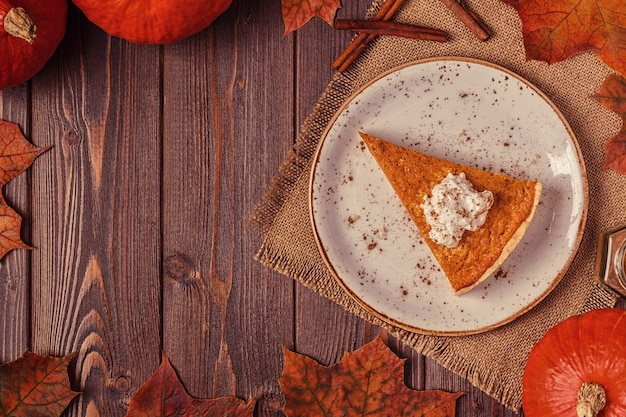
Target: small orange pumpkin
{"type": "Point", "coordinates": [579, 368]}
{"type": "Point", "coordinates": [152, 21]}
{"type": "Point", "coordinates": [30, 32]}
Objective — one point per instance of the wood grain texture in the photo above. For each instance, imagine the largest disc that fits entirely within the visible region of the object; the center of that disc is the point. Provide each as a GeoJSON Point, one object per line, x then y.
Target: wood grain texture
{"type": "Point", "coordinates": [316, 317]}
{"type": "Point", "coordinates": [15, 266]}
{"type": "Point", "coordinates": [228, 123]}
{"type": "Point", "coordinates": [262, 302]}
{"type": "Point", "coordinates": [96, 214]}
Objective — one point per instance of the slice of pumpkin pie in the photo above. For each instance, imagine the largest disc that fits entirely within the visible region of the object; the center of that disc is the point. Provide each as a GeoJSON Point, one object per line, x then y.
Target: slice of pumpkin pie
{"type": "Point", "coordinates": [471, 219]}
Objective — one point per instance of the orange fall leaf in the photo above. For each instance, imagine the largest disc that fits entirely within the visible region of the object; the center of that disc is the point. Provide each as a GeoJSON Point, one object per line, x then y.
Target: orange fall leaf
{"type": "Point", "coordinates": [10, 226]}
{"type": "Point", "coordinates": [35, 385]}
{"type": "Point", "coordinates": [368, 381]}
{"type": "Point", "coordinates": [16, 155]}
{"type": "Point", "coordinates": [296, 13]}
{"type": "Point", "coordinates": [612, 95]}
{"type": "Point", "coordinates": [163, 395]}
{"type": "Point", "coordinates": [553, 30]}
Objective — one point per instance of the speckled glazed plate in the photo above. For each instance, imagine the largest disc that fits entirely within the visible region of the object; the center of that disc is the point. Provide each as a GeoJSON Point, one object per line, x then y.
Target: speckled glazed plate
{"type": "Point", "coordinates": [470, 112]}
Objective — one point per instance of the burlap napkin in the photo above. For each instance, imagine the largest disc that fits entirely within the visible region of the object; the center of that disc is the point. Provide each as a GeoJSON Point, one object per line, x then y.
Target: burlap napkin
{"type": "Point", "coordinates": [492, 361]}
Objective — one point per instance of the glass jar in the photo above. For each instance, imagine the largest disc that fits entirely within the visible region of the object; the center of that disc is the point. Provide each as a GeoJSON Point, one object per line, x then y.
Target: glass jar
{"type": "Point", "coordinates": [611, 260]}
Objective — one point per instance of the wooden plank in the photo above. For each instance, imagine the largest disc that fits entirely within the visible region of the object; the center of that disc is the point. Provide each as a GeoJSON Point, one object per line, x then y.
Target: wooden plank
{"type": "Point", "coordinates": [15, 266]}
{"type": "Point", "coordinates": [228, 124]}
{"type": "Point", "coordinates": [96, 217]}
{"type": "Point", "coordinates": [324, 331]}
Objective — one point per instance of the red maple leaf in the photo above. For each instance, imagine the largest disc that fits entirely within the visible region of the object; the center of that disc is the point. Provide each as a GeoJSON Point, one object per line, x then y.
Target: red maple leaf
{"type": "Point", "coordinates": [298, 12]}
{"type": "Point", "coordinates": [163, 395]}
{"type": "Point", "coordinates": [16, 155]}
{"type": "Point", "coordinates": [35, 385]}
{"type": "Point", "coordinates": [612, 95]}
{"type": "Point", "coordinates": [556, 29]}
{"type": "Point", "coordinates": [369, 381]}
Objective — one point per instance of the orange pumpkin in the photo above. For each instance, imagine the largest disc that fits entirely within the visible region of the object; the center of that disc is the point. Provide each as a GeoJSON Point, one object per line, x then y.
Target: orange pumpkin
{"type": "Point", "coordinates": [152, 21]}
{"type": "Point", "coordinates": [30, 32]}
{"type": "Point", "coordinates": [579, 368]}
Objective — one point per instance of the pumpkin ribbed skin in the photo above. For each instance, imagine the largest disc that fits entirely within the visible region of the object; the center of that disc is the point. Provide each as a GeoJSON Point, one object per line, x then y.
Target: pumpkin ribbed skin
{"type": "Point", "coordinates": [20, 60]}
{"type": "Point", "coordinates": [585, 348]}
{"type": "Point", "coordinates": [152, 21]}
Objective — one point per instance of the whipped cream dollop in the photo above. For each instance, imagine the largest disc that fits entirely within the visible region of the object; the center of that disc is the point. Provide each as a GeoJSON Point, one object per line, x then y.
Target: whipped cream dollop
{"type": "Point", "coordinates": [453, 208]}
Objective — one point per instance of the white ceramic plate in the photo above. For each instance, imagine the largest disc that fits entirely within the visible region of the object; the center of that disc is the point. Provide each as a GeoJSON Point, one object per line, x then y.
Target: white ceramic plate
{"type": "Point", "coordinates": [470, 112]}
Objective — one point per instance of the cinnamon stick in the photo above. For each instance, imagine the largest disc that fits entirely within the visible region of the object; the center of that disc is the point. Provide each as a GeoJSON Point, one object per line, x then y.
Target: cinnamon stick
{"type": "Point", "coordinates": [360, 42]}
{"type": "Point", "coordinates": [469, 18]}
{"type": "Point", "coordinates": [380, 27]}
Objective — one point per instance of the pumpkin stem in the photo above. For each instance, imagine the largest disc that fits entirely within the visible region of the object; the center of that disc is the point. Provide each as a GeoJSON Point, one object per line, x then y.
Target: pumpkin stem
{"type": "Point", "coordinates": [591, 399]}
{"type": "Point", "coordinates": [18, 24]}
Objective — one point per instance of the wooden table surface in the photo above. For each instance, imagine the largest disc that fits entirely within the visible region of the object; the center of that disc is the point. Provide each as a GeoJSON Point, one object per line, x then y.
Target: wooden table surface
{"type": "Point", "coordinates": [139, 214]}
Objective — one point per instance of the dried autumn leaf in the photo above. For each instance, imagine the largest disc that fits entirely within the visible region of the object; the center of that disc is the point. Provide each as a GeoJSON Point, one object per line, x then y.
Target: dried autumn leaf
{"type": "Point", "coordinates": [35, 385]}
{"type": "Point", "coordinates": [298, 12]}
{"type": "Point", "coordinates": [369, 381]}
{"type": "Point", "coordinates": [612, 95]}
{"type": "Point", "coordinates": [10, 224]}
{"type": "Point", "coordinates": [163, 395]}
{"type": "Point", "coordinates": [556, 29]}
{"type": "Point", "coordinates": [16, 155]}
{"type": "Point", "coordinates": [16, 152]}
